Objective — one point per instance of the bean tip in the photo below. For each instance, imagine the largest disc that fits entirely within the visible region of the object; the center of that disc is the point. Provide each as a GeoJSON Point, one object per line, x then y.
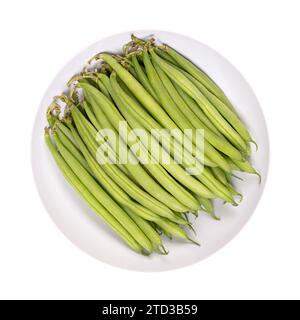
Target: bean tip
{"type": "Point", "coordinates": [194, 241]}
{"type": "Point", "coordinates": [256, 145]}
{"type": "Point", "coordinates": [162, 250]}
{"type": "Point", "coordinates": [259, 176]}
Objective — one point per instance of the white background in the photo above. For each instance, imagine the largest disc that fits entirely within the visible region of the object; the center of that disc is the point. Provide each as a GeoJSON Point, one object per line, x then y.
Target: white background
{"type": "Point", "coordinates": [261, 38]}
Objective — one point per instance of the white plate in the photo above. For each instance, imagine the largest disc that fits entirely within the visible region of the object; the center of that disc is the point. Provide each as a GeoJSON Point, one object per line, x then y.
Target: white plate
{"type": "Point", "coordinates": [88, 232]}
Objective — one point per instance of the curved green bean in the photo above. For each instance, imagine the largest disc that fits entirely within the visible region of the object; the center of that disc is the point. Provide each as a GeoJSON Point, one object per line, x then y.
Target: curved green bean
{"type": "Point", "coordinates": [198, 74]}
{"type": "Point", "coordinates": [70, 146]}
{"type": "Point", "coordinates": [142, 76]}
{"type": "Point", "coordinates": [220, 143]}
{"type": "Point", "coordinates": [156, 170]}
{"type": "Point", "coordinates": [140, 92]}
{"type": "Point", "coordinates": [89, 198]}
{"type": "Point", "coordinates": [212, 113]}
{"type": "Point", "coordinates": [223, 108]}
{"type": "Point", "coordinates": [103, 197]}
{"type": "Point", "coordinates": [122, 179]}
{"type": "Point", "coordinates": [173, 168]}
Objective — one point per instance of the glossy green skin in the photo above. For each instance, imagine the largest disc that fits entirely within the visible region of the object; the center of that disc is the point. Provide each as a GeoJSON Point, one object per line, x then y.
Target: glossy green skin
{"type": "Point", "coordinates": [71, 147]}
{"type": "Point", "coordinates": [98, 101]}
{"type": "Point", "coordinates": [117, 175]}
{"type": "Point", "coordinates": [211, 112]}
{"type": "Point", "coordinates": [92, 202]}
{"type": "Point", "coordinates": [137, 212]}
{"type": "Point", "coordinates": [201, 76]}
{"type": "Point", "coordinates": [130, 102]}
{"type": "Point", "coordinates": [223, 108]}
{"type": "Point", "coordinates": [174, 169]}
{"type": "Point", "coordinates": [197, 111]}
{"type": "Point", "coordinates": [142, 77]}
{"type": "Point", "coordinates": [140, 92]}
{"type": "Point", "coordinates": [108, 203]}
{"type": "Point", "coordinates": [112, 186]}
{"type": "Point", "coordinates": [216, 188]}
{"type": "Point", "coordinates": [213, 140]}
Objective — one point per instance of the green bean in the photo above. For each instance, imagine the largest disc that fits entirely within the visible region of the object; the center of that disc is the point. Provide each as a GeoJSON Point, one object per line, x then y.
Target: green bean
{"type": "Point", "coordinates": [98, 100]}
{"type": "Point", "coordinates": [215, 187]}
{"type": "Point", "coordinates": [137, 212]}
{"type": "Point", "coordinates": [131, 102]}
{"type": "Point", "coordinates": [210, 139]}
{"type": "Point", "coordinates": [132, 70]}
{"type": "Point", "coordinates": [164, 98]}
{"type": "Point", "coordinates": [218, 188]}
{"type": "Point", "coordinates": [220, 143]}
{"type": "Point", "coordinates": [76, 153]}
{"type": "Point", "coordinates": [170, 107]}
{"type": "Point", "coordinates": [90, 114]}
{"type": "Point", "coordinates": [102, 122]}
{"type": "Point", "coordinates": [149, 231]}
{"type": "Point", "coordinates": [142, 77]}
{"type": "Point", "coordinates": [212, 113]}
{"type": "Point", "coordinates": [234, 192]}
{"type": "Point", "coordinates": [173, 168]}
{"type": "Point", "coordinates": [128, 142]}
{"type": "Point", "coordinates": [66, 132]}
{"type": "Point", "coordinates": [223, 178]}
{"type": "Point", "coordinates": [106, 82]}
{"type": "Point", "coordinates": [174, 112]}
{"type": "Point", "coordinates": [110, 185]}
{"type": "Point", "coordinates": [147, 100]}
{"type": "Point", "coordinates": [51, 117]}
{"type": "Point", "coordinates": [207, 204]}
{"type": "Point", "coordinates": [113, 188]}
{"type": "Point", "coordinates": [233, 166]}
{"type": "Point", "coordinates": [228, 175]}
{"type": "Point", "coordinates": [223, 108]}
{"type": "Point", "coordinates": [174, 147]}
{"type": "Point", "coordinates": [144, 97]}
{"type": "Point", "coordinates": [165, 233]}
{"type": "Point", "coordinates": [196, 110]}
{"type": "Point", "coordinates": [165, 213]}
{"type": "Point", "coordinates": [140, 92]}
{"type": "Point", "coordinates": [220, 175]}
{"type": "Point", "coordinates": [96, 124]}
{"type": "Point", "coordinates": [245, 166]}
{"type": "Point", "coordinates": [96, 82]}
{"type": "Point", "coordinates": [174, 230]}
{"type": "Point", "coordinates": [163, 54]}
{"type": "Point", "coordinates": [208, 207]}
{"type": "Point", "coordinates": [89, 198]}
{"type": "Point", "coordinates": [206, 177]}
{"type": "Point", "coordinates": [103, 197]}
{"type": "Point", "coordinates": [200, 75]}
{"type": "Point", "coordinates": [103, 89]}
{"type": "Point", "coordinates": [125, 183]}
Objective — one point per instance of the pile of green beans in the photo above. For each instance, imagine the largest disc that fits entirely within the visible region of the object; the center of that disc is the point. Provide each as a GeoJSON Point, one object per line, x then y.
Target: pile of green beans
{"type": "Point", "coordinates": [148, 87]}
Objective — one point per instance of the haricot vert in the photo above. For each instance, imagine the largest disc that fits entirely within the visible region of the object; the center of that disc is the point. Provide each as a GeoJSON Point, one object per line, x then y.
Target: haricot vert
{"type": "Point", "coordinates": [156, 92]}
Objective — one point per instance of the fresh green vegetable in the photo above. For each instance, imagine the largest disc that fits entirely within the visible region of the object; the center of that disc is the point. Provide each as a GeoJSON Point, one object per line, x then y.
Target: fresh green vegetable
{"type": "Point", "coordinates": [99, 101]}
{"type": "Point", "coordinates": [211, 112]}
{"type": "Point", "coordinates": [84, 192]}
{"type": "Point", "coordinates": [160, 96]}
